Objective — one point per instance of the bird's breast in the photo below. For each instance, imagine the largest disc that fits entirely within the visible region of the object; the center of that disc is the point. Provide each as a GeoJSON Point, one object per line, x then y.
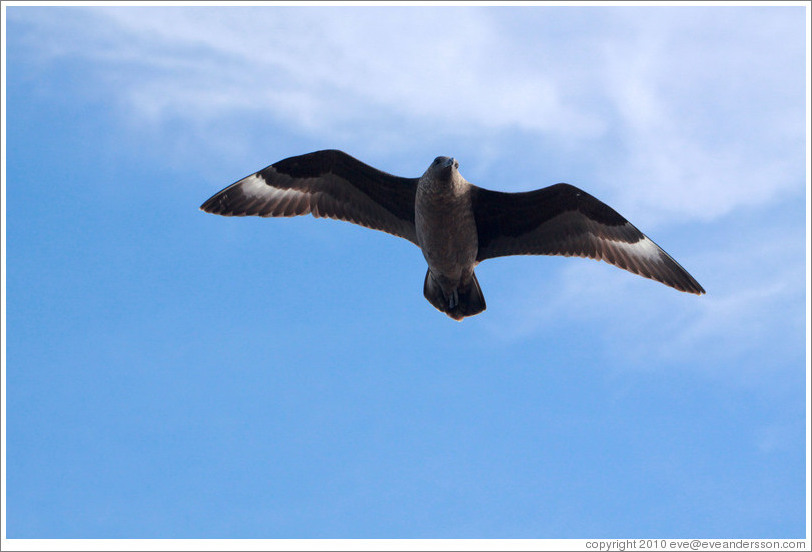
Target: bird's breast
{"type": "Point", "coordinates": [446, 231]}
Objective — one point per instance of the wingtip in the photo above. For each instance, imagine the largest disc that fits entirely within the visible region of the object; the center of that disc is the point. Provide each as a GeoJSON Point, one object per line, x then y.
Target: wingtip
{"type": "Point", "coordinates": [208, 207]}
{"type": "Point", "coordinates": [693, 288]}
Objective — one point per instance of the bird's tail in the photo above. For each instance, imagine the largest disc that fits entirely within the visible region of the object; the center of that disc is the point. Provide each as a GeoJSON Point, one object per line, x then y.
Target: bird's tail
{"type": "Point", "coordinates": [468, 301]}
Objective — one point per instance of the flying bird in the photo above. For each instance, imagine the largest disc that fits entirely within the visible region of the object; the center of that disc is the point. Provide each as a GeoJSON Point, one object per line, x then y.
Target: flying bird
{"type": "Point", "coordinates": [455, 224]}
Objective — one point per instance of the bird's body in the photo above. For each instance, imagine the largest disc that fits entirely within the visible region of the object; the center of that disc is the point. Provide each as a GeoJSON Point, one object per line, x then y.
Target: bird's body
{"type": "Point", "coordinates": [446, 233]}
{"type": "Point", "coordinates": [455, 223]}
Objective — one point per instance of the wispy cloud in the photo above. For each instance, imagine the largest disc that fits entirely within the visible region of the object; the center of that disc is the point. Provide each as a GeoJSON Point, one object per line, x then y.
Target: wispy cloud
{"type": "Point", "coordinates": [438, 66]}
{"type": "Point", "coordinates": [703, 131]}
{"type": "Point", "coordinates": [711, 112]}
{"type": "Point", "coordinates": [755, 305]}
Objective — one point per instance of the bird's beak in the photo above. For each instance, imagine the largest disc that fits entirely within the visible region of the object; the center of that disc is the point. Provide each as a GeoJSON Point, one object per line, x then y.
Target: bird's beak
{"type": "Point", "coordinates": [447, 168]}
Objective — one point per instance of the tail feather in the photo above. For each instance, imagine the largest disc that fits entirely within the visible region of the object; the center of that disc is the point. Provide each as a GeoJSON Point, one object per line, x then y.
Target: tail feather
{"type": "Point", "coordinates": [469, 301]}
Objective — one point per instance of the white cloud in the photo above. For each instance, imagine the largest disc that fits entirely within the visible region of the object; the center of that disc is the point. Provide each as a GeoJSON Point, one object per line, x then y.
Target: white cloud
{"type": "Point", "coordinates": [711, 112]}
{"type": "Point", "coordinates": [325, 68]}
{"type": "Point", "coordinates": [754, 307]}
{"type": "Point", "coordinates": [680, 113]}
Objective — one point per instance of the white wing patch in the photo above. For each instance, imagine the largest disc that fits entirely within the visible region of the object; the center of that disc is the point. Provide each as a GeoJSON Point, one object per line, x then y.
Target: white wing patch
{"type": "Point", "coordinates": [644, 248]}
{"type": "Point", "coordinates": [283, 201]}
{"type": "Point", "coordinates": [254, 186]}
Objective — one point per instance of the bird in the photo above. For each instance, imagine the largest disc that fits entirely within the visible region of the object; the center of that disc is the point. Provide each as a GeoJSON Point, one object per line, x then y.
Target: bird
{"type": "Point", "coordinates": [455, 223]}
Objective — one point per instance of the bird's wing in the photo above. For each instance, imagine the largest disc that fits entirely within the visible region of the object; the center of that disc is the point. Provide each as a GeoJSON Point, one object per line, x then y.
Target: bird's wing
{"type": "Point", "coordinates": [326, 183]}
{"type": "Point", "coordinates": [563, 220]}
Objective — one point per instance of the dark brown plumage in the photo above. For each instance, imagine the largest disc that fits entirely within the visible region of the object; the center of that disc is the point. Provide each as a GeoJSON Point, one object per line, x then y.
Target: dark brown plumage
{"type": "Point", "coordinates": [456, 224]}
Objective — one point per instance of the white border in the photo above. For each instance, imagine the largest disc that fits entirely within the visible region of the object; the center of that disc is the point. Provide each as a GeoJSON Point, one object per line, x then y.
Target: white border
{"type": "Point", "coordinates": [808, 272]}
{"type": "Point", "coordinates": [376, 544]}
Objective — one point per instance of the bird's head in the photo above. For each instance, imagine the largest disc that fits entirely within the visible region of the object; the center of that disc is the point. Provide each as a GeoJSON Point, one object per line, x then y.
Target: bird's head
{"type": "Point", "coordinates": [443, 169]}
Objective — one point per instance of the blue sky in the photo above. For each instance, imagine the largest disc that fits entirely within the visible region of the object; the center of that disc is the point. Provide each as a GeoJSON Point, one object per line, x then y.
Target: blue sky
{"type": "Point", "coordinates": [173, 374]}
